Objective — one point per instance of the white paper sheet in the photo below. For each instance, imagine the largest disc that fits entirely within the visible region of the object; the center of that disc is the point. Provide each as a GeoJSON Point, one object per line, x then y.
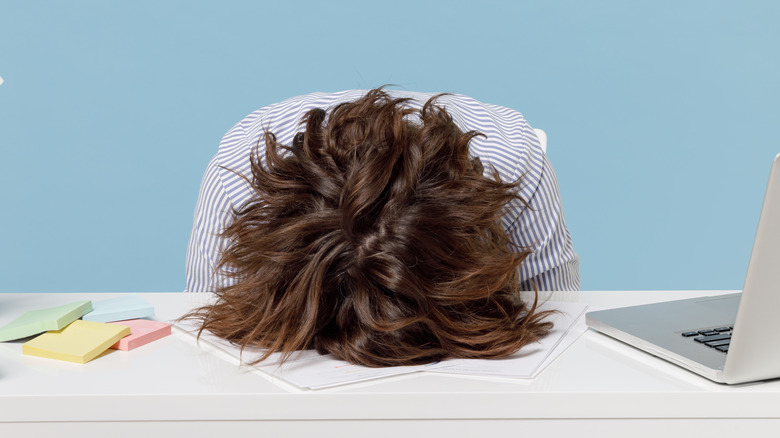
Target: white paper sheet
{"type": "Point", "coordinates": [317, 372]}
{"type": "Point", "coordinates": [306, 369]}
{"type": "Point", "coordinates": [310, 370]}
{"type": "Point", "coordinates": [569, 324]}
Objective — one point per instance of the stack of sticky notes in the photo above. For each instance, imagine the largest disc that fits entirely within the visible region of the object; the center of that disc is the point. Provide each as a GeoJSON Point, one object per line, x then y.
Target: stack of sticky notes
{"type": "Point", "coordinates": [127, 309]}
{"type": "Point", "coordinates": [142, 332]}
{"type": "Point", "coordinates": [119, 309]}
{"type": "Point", "coordinates": [79, 342]}
{"type": "Point", "coordinates": [111, 323]}
{"type": "Point", "coordinates": [38, 321]}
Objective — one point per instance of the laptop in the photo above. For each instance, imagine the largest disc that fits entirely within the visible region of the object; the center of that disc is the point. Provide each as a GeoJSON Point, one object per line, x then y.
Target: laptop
{"type": "Point", "coordinates": [727, 338]}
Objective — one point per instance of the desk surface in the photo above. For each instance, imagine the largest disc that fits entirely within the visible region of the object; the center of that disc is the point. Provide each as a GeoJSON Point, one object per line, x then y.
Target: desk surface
{"type": "Point", "coordinates": [173, 380]}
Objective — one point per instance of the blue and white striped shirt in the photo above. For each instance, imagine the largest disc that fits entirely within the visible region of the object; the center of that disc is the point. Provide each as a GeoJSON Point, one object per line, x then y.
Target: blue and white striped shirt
{"type": "Point", "coordinates": [510, 145]}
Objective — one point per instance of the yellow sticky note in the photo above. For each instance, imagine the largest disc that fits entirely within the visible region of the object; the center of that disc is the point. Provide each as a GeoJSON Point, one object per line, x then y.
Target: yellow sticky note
{"type": "Point", "coordinates": [79, 342]}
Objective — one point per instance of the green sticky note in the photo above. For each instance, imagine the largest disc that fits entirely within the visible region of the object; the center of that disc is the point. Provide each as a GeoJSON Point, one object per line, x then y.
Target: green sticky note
{"type": "Point", "coordinates": [38, 321]}
{"type": "Point", "coordinates": [79, 342]}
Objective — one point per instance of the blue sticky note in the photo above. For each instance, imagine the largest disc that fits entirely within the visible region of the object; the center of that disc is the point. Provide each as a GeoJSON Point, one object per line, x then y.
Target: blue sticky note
{"type": "Point", "coordinates": [119, 309]}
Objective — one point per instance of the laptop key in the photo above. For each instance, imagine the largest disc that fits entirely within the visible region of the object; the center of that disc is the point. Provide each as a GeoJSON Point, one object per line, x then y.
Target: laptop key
{"type": "Point", "coordinates": [713, 338]}
{"type": "Point", "coordinates": [717, 343]}
{"type": "Point", "coordinates": [689, 334]}
{"type": "Point", "coordinates": [723, 348]}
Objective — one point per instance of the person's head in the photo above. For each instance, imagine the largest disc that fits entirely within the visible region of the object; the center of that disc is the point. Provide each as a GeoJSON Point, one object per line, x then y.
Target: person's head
{"type": "Point", "coordinates": [374, 236]}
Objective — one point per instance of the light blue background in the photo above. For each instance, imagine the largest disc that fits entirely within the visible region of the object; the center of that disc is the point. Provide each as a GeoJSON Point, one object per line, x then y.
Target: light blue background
{"type": "Point", "coordinates": [662, 119]}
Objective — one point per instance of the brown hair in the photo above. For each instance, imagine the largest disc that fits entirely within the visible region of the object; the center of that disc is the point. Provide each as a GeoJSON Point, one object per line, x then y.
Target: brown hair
{"type": "Point", "coordinates": [377, 239]}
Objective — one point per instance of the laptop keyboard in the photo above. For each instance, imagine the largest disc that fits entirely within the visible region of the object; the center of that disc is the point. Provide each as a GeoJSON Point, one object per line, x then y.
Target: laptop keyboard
{"type": "Point", "coordinates": [717, 338]}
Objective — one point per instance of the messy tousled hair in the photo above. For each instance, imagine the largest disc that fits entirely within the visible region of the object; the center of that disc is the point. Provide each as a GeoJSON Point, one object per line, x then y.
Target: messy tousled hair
{"type": "Point", "coordinates": [376, 238]}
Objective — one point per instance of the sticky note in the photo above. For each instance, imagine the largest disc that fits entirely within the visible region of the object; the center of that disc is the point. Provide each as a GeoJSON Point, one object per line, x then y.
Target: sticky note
{"type": "Point", "coordinates": [119, 309]}
{"type": "Point", "coordinates": [38, 321]}
{"type": "Point", "coordinates": [142, 332]}
{"type": "Point", "coordinates": [79, 342]}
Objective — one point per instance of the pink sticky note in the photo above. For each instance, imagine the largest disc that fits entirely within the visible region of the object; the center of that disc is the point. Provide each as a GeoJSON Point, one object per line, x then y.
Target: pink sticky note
{"type": "Point", "coordinates": [142, 332]}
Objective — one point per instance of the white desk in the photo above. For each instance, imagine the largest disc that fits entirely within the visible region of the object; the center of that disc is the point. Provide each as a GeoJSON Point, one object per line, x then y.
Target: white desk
{"type": "Point", "coordinates": [597, 387]}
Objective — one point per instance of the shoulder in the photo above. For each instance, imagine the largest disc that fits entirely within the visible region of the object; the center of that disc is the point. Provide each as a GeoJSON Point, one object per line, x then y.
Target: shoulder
{"type": "Point", "coordinates": [283, 118]}
{"type": "Point", "coordinates": [508, 143]}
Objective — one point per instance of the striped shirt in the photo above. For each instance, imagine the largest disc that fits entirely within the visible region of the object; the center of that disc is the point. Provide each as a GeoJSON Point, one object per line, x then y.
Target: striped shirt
{"type": "Point", "coordinates": [510, 145]}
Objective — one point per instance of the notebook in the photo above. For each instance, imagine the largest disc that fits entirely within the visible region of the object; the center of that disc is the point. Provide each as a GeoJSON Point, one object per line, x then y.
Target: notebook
{"type": "Point", "coordinates": [678, 331]}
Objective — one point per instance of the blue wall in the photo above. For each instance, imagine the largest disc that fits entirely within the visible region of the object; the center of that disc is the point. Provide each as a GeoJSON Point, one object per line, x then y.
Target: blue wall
{"type": "Point", "coordinates": [662, 118]}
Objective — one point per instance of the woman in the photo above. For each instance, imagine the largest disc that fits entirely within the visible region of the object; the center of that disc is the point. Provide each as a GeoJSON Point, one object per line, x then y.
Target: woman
{"type": "Point", "coordinates": [383, 227]}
